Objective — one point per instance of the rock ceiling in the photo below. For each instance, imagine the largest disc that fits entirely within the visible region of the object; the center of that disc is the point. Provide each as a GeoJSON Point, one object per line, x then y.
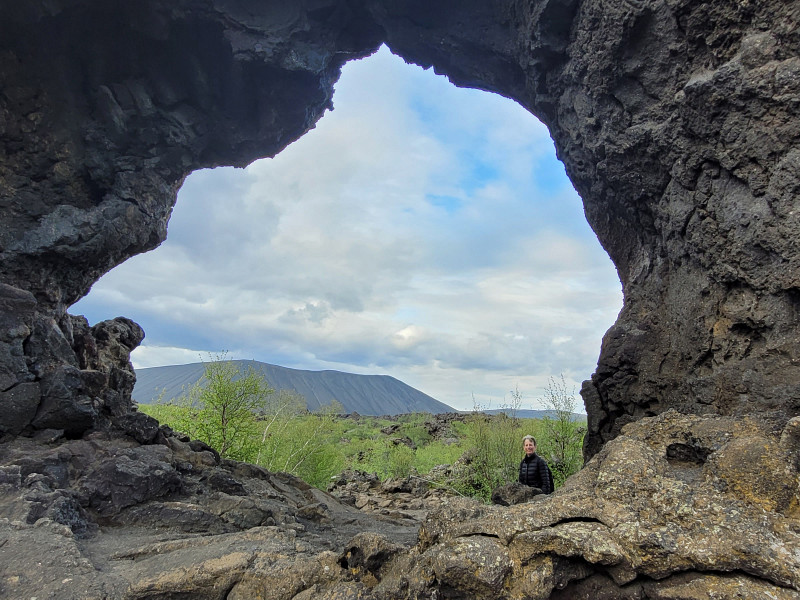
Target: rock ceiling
{"type": "Point", "coordinates": [676, 121]}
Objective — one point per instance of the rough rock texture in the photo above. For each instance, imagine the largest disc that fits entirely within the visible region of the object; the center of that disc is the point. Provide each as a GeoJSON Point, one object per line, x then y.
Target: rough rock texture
{"type": "Point", "coordinates": [514, 493]}
{"type": "Point", "coordinates": [678, 126]}
{"type": "Point", "coordinates": [675, 507]}
{"type": "Point", "coordinates": [672, 508]}
{"type": "Point", "coordinates": [411, 497]}
{"type": "Point", "coordinates": [105, 108]}
{"type": "Point", "coordinates": [676, 121]}
{"type": "Point", "coordinates": [108, 517]}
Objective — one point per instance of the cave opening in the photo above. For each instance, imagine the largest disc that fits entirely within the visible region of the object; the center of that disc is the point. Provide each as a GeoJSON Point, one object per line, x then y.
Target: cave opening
{"type": "Point", "coordinates": [420, 230]}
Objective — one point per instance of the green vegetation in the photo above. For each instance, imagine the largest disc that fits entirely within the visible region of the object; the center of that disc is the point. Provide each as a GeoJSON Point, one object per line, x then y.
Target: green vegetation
{"type": "Point", "coordinates": [494, 445]}
{"type": "Point", "coordinates": [564, 436]}
{"type": "Point", "coordinates": [243, 418]}
{"type": "Point", "coordinates": [221, 409]}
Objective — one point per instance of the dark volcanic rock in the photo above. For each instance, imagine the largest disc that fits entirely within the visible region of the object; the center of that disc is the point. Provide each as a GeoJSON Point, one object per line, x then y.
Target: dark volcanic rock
{"type": "Point", "coordinates": [129, 478]}
{"type": "Point", "coordinates": [513, 493]}
{"type": "Point", "coordinates": [136, 521]}
{"type": "Point", "coordinates": [96, 142]}
{"type": "Point", "coordinates": [677, 123]}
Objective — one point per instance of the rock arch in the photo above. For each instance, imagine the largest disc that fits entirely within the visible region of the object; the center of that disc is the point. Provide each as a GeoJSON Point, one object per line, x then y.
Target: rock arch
{"type": "Point", "coordinates": [675, 121]}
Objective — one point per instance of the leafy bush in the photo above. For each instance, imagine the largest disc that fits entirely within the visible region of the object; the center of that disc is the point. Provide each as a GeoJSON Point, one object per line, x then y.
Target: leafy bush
{"type": "Point", "coordinates": [493, 443]}
{"type": "Point", "coordinates": [321, 459]}
{"type": "Point", "coordinates": [241, 415]}
{"type": "Point", "coordinates": [301, 443]}
{"type": "Point", "coordinates": [418, 435]}
{"type": "Point", "coordinates": [221, 408]}
{"type": "Point", "coordinates": [401, 461]}
{"type": "Point", "coordinates": [435, 454]}
{"type": "Point", "coordinates": [562, 439]}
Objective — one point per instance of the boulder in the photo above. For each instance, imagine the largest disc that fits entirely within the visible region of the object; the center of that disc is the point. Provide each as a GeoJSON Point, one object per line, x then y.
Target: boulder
{"type": "Point", "coordinates": [514, 493]}
{"type": "Point", "coordinates": [635, 522]}
{"type": "Point", "coordinates": [677, 124]}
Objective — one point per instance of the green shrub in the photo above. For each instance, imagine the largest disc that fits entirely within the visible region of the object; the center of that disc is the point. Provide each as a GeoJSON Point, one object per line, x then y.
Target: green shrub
{"type": "Point", "coordinates": [434, 454]}
{"type": "Point", "coordinates": [281, 435]}
{"type": "Point", "coordinates": [302, 444]}
{"type": "Point", "coordinates": [400, 461]}
{"type": "Point", "coordinates": [418, 435]}
{"type": "Point", "coordinates": [493, 443]}
{"type": "Point", "coordinates": [322, 459]}
{"type": "Point", "coordinates": [561, 435]}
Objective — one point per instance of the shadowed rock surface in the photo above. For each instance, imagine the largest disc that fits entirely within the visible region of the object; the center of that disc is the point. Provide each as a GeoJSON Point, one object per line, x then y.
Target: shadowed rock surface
{"type": "Point", "coordinates": [677, 506]}
{"type": "Point", "coordinates": [514, 493]}
{"type": "Point", "coordinates": [677, 123]}
{"type": "Point", "coordinates": [108, 517]}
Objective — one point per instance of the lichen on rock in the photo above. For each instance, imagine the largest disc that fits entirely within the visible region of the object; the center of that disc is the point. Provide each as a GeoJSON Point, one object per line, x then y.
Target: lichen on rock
{"type": "Point", "coordinates": [677, 124]}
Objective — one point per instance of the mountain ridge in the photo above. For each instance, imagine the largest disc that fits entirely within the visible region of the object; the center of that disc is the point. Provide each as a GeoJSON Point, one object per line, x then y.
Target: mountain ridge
{"type": "Point", "coordinates": [364, 394]}
{"type": "Point", "coordinates": [532, 413]}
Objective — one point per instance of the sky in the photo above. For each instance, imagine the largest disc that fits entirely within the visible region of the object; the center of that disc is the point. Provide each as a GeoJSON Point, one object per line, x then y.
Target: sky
{"type": "Point", "coordinates": [421, 231]}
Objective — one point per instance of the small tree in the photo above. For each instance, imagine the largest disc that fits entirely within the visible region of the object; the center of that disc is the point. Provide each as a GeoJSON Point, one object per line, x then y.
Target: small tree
{"type": "Point", "coordinates": [225, 402]}
{"type": "Point", "coordinates": [275, 417]}
{"type": "Point", "coordinates": [295, 441]}
{"type": "Point", "coordinates": [564, 435]}
{"type": "Point", "coordinates": [494, 442]}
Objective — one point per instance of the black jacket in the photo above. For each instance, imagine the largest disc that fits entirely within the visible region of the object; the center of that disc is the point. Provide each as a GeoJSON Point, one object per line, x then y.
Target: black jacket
{"type": "Point", "coordinates": [533, 472]}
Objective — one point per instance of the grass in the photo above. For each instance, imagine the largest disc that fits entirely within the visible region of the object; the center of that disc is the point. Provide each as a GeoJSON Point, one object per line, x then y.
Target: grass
{"type": "Point", "coordinates": [483, 450]}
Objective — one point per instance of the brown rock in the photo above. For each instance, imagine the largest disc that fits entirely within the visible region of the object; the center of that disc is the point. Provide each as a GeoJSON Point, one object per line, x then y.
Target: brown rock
{"type": "Point", "coordinates": [677, 124]}
{"type": "Point", "coordinates": [513, 493]}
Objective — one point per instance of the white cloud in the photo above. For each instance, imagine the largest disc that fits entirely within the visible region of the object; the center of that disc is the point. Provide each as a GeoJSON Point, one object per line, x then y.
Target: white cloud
{"type": "Point", "coordinates": [420, 230]}
{"type": "Point", "coordinates": [156, 356]}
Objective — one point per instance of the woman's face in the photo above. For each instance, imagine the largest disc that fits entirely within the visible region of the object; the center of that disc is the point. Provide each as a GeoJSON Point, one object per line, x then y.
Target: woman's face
{"type": "Point", "coordinates": [529, 447]}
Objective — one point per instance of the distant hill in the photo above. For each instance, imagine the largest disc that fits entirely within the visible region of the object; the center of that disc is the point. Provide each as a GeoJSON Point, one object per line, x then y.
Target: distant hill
{"type": "Point", "coordinates": [527, 413]}
{"type": "Point", "coordinates": [364, 394]}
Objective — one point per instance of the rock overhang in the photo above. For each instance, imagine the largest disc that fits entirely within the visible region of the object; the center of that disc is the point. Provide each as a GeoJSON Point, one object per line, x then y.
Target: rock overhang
{"type": "Point", "coordinates": [675, 120]}
{"type": "Point", "coordinates": [108, 106]}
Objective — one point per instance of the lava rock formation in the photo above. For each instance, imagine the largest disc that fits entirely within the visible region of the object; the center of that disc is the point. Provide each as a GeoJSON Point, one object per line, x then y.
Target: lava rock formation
{"type": "Point", "coordinates": [677, 123]}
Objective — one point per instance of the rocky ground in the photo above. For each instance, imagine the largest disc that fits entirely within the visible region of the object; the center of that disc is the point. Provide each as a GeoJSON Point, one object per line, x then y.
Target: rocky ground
{"type": "Point", "coordinates": [676, 507]}
{"type": "Point", "coordinates": [676, 122]}
{"type": "Point", "coordinates": [412, 497]}
{"type": "Point", "coordinates": [109, 517]}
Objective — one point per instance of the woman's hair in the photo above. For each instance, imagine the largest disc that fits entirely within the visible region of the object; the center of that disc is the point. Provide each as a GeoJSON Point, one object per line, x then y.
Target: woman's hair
{"type": "Point", "coordinates": [529, 437]}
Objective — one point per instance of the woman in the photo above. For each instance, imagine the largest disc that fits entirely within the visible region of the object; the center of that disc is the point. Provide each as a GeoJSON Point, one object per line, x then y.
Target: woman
{"type": "Point", "coordinates": [533, 471]}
